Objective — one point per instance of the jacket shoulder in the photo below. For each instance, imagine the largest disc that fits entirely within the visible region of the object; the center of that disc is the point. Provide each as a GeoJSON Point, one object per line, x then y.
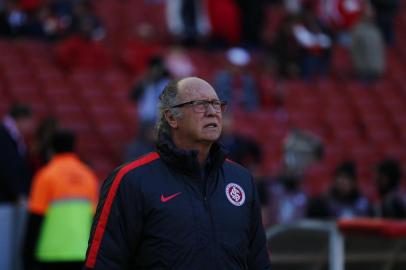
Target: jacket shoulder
{"type": "Point", "coordinates": [128, 174]}
{"type": "Point", "coordinates": [235, 173]}
{"type": "Point", "coordinates": [138, 163]}
{"type": "Point", "coordinates": [236, 168]}
{"type": "Point", "coordinates": [42, 173]}
{"type": "Point", "coordinates": [132, 167]}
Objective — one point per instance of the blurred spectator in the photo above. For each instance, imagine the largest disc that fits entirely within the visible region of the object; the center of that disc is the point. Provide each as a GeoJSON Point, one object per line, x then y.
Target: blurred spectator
{"type": "Point", "coordinates": [33, 24]}
{"type": "Point", "coordinates": [42, 141]}
{"type": "Point", "coordinates": [285, 199]}
{"type": "Point", "coordinates": [225, 21]}
{"type": "Point", "coordinates": [300, 150]}
{"type": "Point", "coordinates": [344, 200]}
{"type": "Point", "coordinates": [367, 48]}
{"type": "Point", "coordinates": [82, 50]}
{"type": "Point", "coordinates": [386, 11]}
{"type": "Point", "coordinates": [50, 20]}
{"type": "Point", "coordinates": [47, 24]}
{"type": "Point", "coordinates": [293, 7]}
{"type": "Point", "coordinates": [61, 206]}
{"type": "Point", "coordinates": [142, 144]}
{"type": "Point", "coordinates": [12, 19]}
{"type": "Point", "coordinates": [242, 149]}
{"type": "Point", "coordinates": [286, 50]}
{"type": "Point", "coordinates": [391, 204]}
{"type": "Point", "coordinates": [62, 7]}
{"type": "Point", "coordinates": [187, 20]}
{"type": "Point", "coordinates": [84, 17]}
{"type": "Point", "coordinates": [15, 172]}
{"type": "Point", "coordinates": [235, 83]}
{"type": "Point", "coordinates": [316, 46]}
{"type": "Point", "coordinates": [252, 19]}
{"type": "Point", "coordinates": [179, 63]}
{"type": "Point", "coordinates": [340, 15]}
{"type": "Point", "coordinates": [15, 178]}
{"type": "Point", "coordinates": [146, 92]}
{"type": "Point", "coordinates": [141, 48]}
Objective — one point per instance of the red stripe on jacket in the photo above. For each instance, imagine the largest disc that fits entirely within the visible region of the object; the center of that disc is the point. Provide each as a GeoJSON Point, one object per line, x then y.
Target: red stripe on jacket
{"type": "Point", "coordinates": [102, 222]}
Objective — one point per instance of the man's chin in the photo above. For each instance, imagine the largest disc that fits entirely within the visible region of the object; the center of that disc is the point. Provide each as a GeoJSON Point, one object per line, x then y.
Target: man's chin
{"type": "Point", "coordinates": [210, 138]}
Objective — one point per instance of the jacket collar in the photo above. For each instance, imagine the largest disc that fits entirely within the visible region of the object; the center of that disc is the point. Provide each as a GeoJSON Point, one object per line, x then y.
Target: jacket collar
{"type": "Point", "coordinates": [186, 161]}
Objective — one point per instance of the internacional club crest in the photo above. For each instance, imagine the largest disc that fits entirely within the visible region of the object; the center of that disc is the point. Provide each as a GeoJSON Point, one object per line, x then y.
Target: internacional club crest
{"type": "Point", "coordinates": [235, 194]}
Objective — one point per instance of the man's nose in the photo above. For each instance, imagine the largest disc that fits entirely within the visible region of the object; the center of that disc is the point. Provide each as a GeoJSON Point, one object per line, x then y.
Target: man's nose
{"type": "Point", "coordinates": [210, 109]}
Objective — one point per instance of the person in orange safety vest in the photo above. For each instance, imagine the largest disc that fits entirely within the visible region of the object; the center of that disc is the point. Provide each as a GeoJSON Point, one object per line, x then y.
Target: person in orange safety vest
{"type": "Point", "coordinates": [61, 207]}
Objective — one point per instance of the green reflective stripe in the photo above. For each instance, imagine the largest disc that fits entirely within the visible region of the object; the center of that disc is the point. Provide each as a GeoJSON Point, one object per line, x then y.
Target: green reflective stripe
{"type": "Point", "coordinates": [65, 231]}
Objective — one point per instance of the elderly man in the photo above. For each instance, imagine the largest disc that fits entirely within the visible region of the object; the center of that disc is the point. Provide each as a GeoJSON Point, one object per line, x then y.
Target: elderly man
{"type": "Point", "coordinates": [184, 206]}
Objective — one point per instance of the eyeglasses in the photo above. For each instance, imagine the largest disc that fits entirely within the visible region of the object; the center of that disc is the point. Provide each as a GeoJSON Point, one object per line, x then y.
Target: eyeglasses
{"type": "Point", "coordinates": [201, 106]}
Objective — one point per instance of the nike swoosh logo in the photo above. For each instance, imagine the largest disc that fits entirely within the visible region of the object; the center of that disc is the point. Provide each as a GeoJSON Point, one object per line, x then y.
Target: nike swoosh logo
{"type": "Point", "coordinates": [165, 199]}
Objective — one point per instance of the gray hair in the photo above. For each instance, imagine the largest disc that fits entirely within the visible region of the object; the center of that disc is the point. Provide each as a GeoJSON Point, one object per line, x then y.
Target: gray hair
{"type": "Point", "coordinates": [167, 99]}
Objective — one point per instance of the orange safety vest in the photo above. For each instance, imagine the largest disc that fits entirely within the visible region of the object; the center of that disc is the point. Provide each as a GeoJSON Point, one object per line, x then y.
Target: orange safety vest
{"type": "Point", "coordinates": [65, 193]}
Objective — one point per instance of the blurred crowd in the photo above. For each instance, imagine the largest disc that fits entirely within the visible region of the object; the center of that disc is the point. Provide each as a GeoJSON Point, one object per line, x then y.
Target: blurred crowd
{"type": "Point", "coordinates": [299, 44]}
{"type": "Point", "coordinates": [49, 19]}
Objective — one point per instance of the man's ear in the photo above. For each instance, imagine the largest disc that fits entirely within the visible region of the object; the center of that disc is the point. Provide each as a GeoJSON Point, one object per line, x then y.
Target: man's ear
{"type": "Point", "coordinates": [171, 119]}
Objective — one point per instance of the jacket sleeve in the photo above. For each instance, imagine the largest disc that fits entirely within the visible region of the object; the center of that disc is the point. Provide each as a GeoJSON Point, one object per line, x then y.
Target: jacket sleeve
{"type": "Point", "coordinates": [258, 258]}
{"type": "Point", "coordinates": [116, 226]}
{"type": "Point", "coordinates": [11, 176]}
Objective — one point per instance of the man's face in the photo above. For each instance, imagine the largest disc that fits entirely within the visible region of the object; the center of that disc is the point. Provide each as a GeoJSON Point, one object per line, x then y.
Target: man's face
{"type": "Point", "coordinates": [193, 126]}
{"type": "Point", "coordinates": [382, 183]}
{"type": "Point", "coordinates": [26, 126]}
{"type": "Point", "coordinates": [344, 184]}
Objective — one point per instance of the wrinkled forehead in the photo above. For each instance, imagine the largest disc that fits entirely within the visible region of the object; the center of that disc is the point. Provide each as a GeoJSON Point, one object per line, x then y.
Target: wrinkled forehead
{"type": "Point", "coordinates": [196, 89]}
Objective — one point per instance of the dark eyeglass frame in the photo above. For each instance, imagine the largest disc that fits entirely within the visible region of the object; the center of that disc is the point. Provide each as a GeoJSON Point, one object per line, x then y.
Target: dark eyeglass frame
{"type": "Point", "coordinates": [222, 105]}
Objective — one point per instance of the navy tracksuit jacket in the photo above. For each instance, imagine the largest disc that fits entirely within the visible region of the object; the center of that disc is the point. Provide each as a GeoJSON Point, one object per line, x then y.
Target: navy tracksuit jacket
{"type": "Point", "coordinates": [162, 212]}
